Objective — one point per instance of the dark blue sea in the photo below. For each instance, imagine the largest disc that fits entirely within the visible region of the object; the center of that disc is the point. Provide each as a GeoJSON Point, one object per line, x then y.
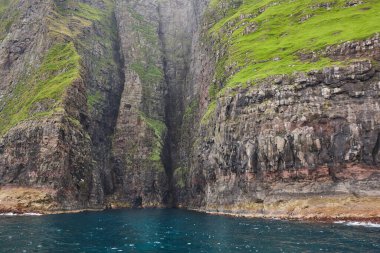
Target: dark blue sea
{"type": "Point", "coordinates": [170, 230]}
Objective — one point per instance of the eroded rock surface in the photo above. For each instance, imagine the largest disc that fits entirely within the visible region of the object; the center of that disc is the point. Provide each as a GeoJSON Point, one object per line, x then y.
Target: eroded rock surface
{"type": "Point", "coordinates": [140, 114]}
{"type": "Point", "coordinates": [293, 137]}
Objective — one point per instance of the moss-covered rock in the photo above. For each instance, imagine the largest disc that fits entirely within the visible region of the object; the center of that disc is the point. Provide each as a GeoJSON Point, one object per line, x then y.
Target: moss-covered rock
{"type": "Point", "coordinates": [41, 94]}
{"type": "Point", "coordinates": [256, 39]}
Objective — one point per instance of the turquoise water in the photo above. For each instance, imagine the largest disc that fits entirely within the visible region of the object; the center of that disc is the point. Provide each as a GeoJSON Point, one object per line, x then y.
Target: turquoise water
{"type": "Point", "coordinates": [177, 231]}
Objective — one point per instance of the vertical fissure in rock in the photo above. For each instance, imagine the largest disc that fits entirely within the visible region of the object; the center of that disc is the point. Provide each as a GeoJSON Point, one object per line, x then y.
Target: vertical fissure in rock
{"type": "Point", "coordinates": [375, 150]}
{"type": "Point", "coordinates": [175, 26]}
{"type": "Point", "coordinates": [104, 112]}
{"type": "Point", "coordinates": [167, 151]}
{"type": "Point", "coordinates": [155, 55]}
{"type": "Point", "coordinates": [104, 116]}
{"type": "Point", "coordinates": [121, 73]}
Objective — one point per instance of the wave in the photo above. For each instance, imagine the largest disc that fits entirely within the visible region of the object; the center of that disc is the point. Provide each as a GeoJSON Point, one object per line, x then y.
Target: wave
{"type": "Point", "coordinates": [20, 214]}
{"type": "Point", "coordinates": [358, 223]}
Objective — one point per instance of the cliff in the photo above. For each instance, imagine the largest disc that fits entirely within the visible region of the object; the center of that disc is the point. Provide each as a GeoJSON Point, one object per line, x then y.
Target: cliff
{"type": "Point", "coordinates": [291, 123]}
{"type": "Point", "coordinates": [261, 108]}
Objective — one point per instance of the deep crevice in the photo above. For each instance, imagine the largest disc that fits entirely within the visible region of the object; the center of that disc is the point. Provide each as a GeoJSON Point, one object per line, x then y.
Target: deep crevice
{"type": "Point", "coordinates": [375, 150]}
{"type": "Point", "coordinates": [176, 57]}
{"type": "Point", "coordinates": [119, 57]}
{"type": "Point", "coordinates": [167, 160]}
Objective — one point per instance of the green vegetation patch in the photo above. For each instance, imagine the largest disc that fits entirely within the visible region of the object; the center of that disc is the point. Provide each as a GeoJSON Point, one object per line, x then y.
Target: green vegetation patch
{"type": "Point", "coordinates": [89, 12]}
{"type": "Point", "coordinates": [261, 38]}
{"type": "Point", "coordinates": [41, 94]}
{"type": "Point", "coordinates": [8, 15]}
{"type": "Point", "coordinates": [180, 175]}
{"type": "Point", "coordinates": [83, 10]}
{"type": "Point", "coordinates": [149, 74]}
{"type": "Point", "coordinates": [209, 112]}
{"type": "Point", "coordinates": [147, 31]}
{"type": "Point", "coordinates": [265, 37]}
{"type": "Point", "coordinates": [145, 63]}
{"type": "Point", "coordinates": [190, 110]}
{"type": "Point", "coordinates": [4, 6]}
{"type": "Point", "coordinates": [144, 28]}
{"type": "Point", "coordinates": [71, 17]}
{"type": "Point", "coordinates": [72, 20]}
{"type": "Point", "coordinates": [159, 129]}
{"type": "Point", "coordinates": [93, 99]}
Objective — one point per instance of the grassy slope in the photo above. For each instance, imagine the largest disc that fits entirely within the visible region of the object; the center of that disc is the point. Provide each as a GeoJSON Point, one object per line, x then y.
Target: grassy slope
{"type": "Point", "coordinates": [59, 69]}
{"type": "Point", "coordinates": [83, 16]}
{"type": "Point", "coordinates": [6, 19]}
{"type": "Point", "coordinates": [4, 5]}
{"type": "Point", "coordinates": [285, 28]}
{"type": "Point", "coordinates": [72, 17]}
{"type": "Point", "coordinates": [45, 87]}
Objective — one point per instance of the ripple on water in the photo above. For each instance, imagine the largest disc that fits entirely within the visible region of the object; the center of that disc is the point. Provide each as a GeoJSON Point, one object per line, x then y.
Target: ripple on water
{"type": "Point", "coordinates": [164, 231]}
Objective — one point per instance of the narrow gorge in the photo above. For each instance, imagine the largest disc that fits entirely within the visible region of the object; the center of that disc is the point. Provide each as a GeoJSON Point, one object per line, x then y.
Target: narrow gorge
{"type": "Point", "coordinates": [264, 108]}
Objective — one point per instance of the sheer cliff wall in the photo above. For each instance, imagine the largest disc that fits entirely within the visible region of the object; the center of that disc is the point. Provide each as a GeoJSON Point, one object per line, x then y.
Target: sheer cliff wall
{"type": "Point", "coordinates": [91, 101]}
{"type": "Point", "coordinates": [226, 106]}
{"type": "Point", "coordinates": [288, 123]}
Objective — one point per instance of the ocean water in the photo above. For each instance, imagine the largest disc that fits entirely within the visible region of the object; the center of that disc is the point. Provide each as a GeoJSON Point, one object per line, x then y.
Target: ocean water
{"type": "Point", "coordinates": [166, 230]}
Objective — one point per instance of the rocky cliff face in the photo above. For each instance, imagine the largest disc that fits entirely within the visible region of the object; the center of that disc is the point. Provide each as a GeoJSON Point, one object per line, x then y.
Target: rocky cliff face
{"type": "Point", "coordinates": [140, 128]}
{"type": "Point", "coordinates": [156, 40]}
{"type": "Point", "coordinates": [290, 138]}
{"type": "Point", "coordinates": [100, 129]}
{"type": "Point", "coordinates": [301, 144]}
{"type": "Point", "coordinates": [44, 144]}
{"type": "Point", "coordinates": [205, 105]}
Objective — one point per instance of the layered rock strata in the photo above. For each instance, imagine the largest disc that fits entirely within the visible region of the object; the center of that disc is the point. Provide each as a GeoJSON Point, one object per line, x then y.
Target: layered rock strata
{"type": "Point", "coordinates": [303, 145]}
{"type": "Point", "coordinates": [144, 104]}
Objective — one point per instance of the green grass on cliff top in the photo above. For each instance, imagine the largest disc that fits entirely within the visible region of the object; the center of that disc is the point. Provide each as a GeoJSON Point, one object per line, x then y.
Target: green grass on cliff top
{"type": "Point", "coordinates": [45, 88]}
{"type": "Point", "coordinates": [285, 28]}
{"type": "Point", "coordinates": [4, 5]}
{"type": "Point", "coordinates": [70, 18]}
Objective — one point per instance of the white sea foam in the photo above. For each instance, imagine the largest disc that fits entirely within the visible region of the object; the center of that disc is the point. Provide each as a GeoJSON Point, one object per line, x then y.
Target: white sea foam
{"type": "Point", "coordinates": [31, 214]}
{"type": "Point", "coordinates": [365, 224]}
{"type": "Point", "coordinates": [20, 214]}
{"type": "Point", "coordinates": [8, 214]}
{"type": "Point", "coordinates": [358, 223]}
